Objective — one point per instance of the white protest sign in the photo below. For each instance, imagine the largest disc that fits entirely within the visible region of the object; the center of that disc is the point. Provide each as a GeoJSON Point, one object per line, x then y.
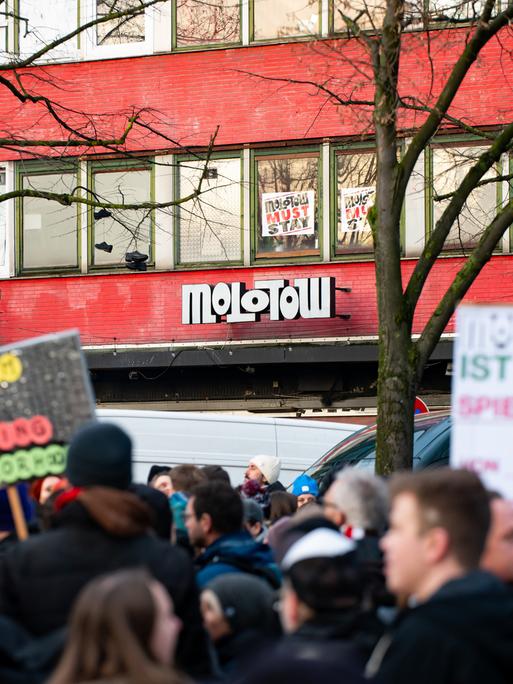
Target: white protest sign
{"type": "Point", "coordinates": [288, 213]}
{"type": "Point", "coordinates": [482, 395]}
{"type": "Point", "coordinates": [354, 206]}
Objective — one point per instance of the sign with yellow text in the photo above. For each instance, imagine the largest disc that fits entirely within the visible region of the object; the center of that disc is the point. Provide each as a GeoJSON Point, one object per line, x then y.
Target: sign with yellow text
{"type": "Point", "coordinates": [45, 395]}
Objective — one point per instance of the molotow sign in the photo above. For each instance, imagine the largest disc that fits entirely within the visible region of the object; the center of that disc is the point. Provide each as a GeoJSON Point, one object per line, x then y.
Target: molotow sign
{"type": "Point", "coordinates": [306, 298]}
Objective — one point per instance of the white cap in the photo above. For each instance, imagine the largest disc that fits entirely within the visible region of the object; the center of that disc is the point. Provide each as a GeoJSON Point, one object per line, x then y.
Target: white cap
{"type": "Point", "coordinates": [320, 543]}
{"type": "Point", "coordinates": [269, 466]}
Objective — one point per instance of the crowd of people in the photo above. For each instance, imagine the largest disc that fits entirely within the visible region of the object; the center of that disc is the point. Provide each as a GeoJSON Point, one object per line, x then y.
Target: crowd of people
{"type": "Point", "coordinates": [189, 579]}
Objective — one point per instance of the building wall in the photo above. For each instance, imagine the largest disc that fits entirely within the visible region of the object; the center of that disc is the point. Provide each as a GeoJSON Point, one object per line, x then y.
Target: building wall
{"type": "Point", "coordinates": [146, 308]}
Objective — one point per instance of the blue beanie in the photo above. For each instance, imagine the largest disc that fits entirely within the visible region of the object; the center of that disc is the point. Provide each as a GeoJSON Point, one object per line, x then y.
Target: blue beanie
{"type": "Point", "coordinates": [100, 454]}
{"type": "Point", "coordinates": [6, 519]}
{"type": "Point", "coordinates": [305, 484]}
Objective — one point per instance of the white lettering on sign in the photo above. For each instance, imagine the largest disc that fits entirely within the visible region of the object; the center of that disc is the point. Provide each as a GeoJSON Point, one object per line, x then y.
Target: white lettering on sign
{"type": "Point", "coordinates": [482, 396]}
{"type": "Point", "coordinates": [307, 298]}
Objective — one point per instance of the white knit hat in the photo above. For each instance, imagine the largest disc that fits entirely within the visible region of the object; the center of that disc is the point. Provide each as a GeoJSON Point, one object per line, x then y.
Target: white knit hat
{"type": "Point", "coordinates": [269, 466]}
{"type": "Point", "coordinates": [320, 543]}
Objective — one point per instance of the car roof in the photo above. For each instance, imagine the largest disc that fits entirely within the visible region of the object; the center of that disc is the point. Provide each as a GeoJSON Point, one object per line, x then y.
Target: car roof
{"type": "Point", "coordinates": [426, 428]}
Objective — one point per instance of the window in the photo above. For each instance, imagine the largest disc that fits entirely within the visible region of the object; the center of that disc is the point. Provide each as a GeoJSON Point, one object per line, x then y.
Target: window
{"type": "Point", "coordinates": [287, 221]}
{"type": "Point", "coordinates": [49, 230]}
{"type": "Point", "coordinates": [455, 11]}
{"type": "Point", "coordinates": [202, 23]}
{"type": "Point", "coordinates": [129, 29]}
{"type": "Point", "coordinates": [356, 180]}
{"type": "Point", "coordinates": [40, 22]}
{"type": "Point", "coordinates": [120, 230]}
{"type": "Point", "coordinates": [367, 14]}
{"type": "Point", "coordinates": [3, 222]}
{"type": "Point", "coordinates": [287, 18]}
{"type": "Point", "coordinates": [449, 167]}
{"type": "Point", "coordinates": [210, 226]}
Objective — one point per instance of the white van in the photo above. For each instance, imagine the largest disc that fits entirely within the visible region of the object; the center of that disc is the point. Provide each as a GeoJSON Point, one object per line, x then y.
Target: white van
{"type": "Point", "coordinates": [171, 438]}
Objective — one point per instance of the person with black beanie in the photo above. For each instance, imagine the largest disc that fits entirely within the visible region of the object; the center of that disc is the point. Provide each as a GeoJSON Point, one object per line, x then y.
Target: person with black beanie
{"type": "Point", "coordinates": [100, 526]}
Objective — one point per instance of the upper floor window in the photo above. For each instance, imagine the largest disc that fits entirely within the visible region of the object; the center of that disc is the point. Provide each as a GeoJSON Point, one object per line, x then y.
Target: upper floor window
{"type": "Point", "coordinates": [210, 226]}
{"type": "Point", "coordinates": [118, 230]}
{"type": "Point", "coordinates": [450, 164]}
{"type": "Point", "coordinates": [356, 181]}
{"type": "Point", "coordinates": [128, 29]}
{"type": "Point", "coordinates": [205, 23]}
{"type": "Point", "coordinates": [40, 23]}
{"type": "Point", "coordinates": [366, 15]}
{"type": "Point", "coordinates": [287, 220]}
{"type": "Point", "coordinates": [48, 230]}
{"type": "Point", "coordinates": [285, 19]}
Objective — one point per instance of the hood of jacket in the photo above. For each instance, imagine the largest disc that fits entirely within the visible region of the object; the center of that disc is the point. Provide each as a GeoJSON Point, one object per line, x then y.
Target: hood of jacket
{"type": "Point", "coordinates": [238, 545]}
{"type": "Point", "coordinates": [118, 513]}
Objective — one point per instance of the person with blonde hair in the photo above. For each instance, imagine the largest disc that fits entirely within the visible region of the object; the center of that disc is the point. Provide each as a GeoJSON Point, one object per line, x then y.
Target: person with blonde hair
{"type": "Point", "coordinates": [122, 629]}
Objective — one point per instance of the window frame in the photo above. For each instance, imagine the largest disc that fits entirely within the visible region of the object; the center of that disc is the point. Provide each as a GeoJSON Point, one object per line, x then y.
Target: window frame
{"type": "Point", "coordinates": [203, 46]}
{"type": "Point", "coordinates": [284, 39]}
{"type": "Point", "coordinates": [293, 151]}
{"type": "Point", "coordinates": [43, 169]}
{"type": "Point", "coordinates": [89, 48]}
{"type": "Point", "coordinates": [233, 154]}
{"type": "Point", "coordinates": [107, 165]}
{"type": "Point", "coordinates": [455, 141]}
{"type": "Point", "coordinates": [336, 150]}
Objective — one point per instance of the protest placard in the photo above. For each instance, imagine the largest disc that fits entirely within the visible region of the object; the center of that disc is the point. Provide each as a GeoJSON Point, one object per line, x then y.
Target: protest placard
{"type": "Point", "coordinates": [45, 395]}
{"type": "Point", "coordinates": [288, 213]}
{"type": "Point", "coordinates": [354, 206]}
{"type": "Point", "coordinates": [482, 394]}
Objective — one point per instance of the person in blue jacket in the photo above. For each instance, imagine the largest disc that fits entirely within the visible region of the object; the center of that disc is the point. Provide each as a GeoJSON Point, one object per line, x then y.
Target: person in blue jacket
{"type": "Point", "coordinates": [214, 522]}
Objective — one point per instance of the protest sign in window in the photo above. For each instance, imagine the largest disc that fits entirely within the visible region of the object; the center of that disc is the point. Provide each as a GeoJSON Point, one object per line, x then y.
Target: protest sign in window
{"type": "Point", "coordinates": [449, 167]}
{"type": "Point", "coordinates": [202, 23]}
{"type": "Point", "coordinates": [368, 15]}
{"type": "Point", "coordinates": [287, 220]}
{"type": "Point", "coordinates": [356, 177]}
{"type": "Point", "coordinates": [286, 18]}
{"type": "Point", "coordinates": [210, 226]}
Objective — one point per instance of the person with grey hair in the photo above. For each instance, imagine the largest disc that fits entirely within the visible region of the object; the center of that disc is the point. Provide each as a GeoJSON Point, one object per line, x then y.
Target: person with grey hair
{"type": "Point", "coordinates": [357, 503]}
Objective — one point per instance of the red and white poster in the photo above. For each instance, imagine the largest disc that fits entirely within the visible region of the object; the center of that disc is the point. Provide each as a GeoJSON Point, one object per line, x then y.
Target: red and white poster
{"type": "Point", "coordinates": [354, 207]}
{"type": "Point", "coordinates": [288, 213]}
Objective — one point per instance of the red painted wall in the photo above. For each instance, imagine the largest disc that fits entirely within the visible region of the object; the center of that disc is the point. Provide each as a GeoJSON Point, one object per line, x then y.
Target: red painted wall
{"type": "Point", "coordinates": [190, 94]}
{"type": "Point", "coordinates": [146, 308]}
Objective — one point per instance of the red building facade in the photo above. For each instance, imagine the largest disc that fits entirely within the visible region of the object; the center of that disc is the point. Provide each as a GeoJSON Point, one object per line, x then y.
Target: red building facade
{"type": "Point", "coordinates": [288, 167]}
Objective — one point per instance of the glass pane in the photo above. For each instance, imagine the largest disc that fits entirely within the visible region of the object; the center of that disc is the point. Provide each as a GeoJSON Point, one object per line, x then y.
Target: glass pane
{"type": "Point", "coordinates": [49, 229]}
{"type": "Point", "coordinates": [367, 14]}
{"type": "Point", "coordinates": [450, 165]}
{"type": "Point", "coordinates": [210, 225]}
{"type": "Point", "coordinates": [125, 230]}
{"type": "Point", "coordinates": [356, 180]}
{"type": "Point", "coordinates": [287, 222]}
{"type": "Point", "coordinates": [44, 21]}
{"type": "Point", "coordinates": [129, 29]}
{"type": "Point", "coordinates": [454, 10]}
{"type": "Point", "coordinates": [3, 226]}
{"type": "Point", "coordinates": [200, 23]}
{"type": "Point", "coordinates": [285, 18]}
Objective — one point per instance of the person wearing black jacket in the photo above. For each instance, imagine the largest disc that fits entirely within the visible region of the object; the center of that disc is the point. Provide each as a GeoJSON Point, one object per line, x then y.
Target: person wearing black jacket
{"type": "Point", "coordinates": [99, 527]}
{"type": "Point", "coordinates": [458, 626]}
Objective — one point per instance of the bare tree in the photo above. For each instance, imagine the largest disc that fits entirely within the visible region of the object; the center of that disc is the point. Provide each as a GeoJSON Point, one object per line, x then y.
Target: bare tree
{"type": "Point", "coordinates": [370, 86]}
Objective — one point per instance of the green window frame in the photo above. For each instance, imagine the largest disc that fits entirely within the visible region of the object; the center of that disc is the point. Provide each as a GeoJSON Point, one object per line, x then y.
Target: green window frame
{"type": "Point", "coordinates": [287, 37]}
{"type": "Point", "coordinates": [454, 142]}
{"type": "Point", "coordinates": [181, 210]}
{"type": "Point", "coordinates": [205, 44]}
{"type": "Point", "coordinates": [25, 170]}
{"type": "Point", "coordinates": [294, 255]}
{"type": "Point", "coordinates": [134, 243]}
{"type": "Point", "coordinates": [362, 253]}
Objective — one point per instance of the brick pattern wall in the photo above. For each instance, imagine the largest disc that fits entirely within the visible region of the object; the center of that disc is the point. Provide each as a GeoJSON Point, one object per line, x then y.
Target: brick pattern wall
{"type": "Point", "coordinates": [146, 308]}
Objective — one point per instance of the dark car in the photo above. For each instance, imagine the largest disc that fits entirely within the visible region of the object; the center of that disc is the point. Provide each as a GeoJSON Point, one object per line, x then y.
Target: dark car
{"type": "Point", "coordinates": [431, 447]}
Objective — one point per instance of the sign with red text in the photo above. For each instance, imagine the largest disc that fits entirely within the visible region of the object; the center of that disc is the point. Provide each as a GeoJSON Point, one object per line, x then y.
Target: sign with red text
{"type": "Point", "coordinates": [482, 395]}
{"type": "Point", "coordinates": [354, 207]}
{"type": "Point", "coordinates": [288, 213]}
{"type": "Point", "coordinates": [45, 395]}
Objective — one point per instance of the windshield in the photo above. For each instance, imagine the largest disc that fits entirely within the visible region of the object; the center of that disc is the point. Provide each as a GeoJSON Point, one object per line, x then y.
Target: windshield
{"type": "Point", "coordinates": [359, 450]}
